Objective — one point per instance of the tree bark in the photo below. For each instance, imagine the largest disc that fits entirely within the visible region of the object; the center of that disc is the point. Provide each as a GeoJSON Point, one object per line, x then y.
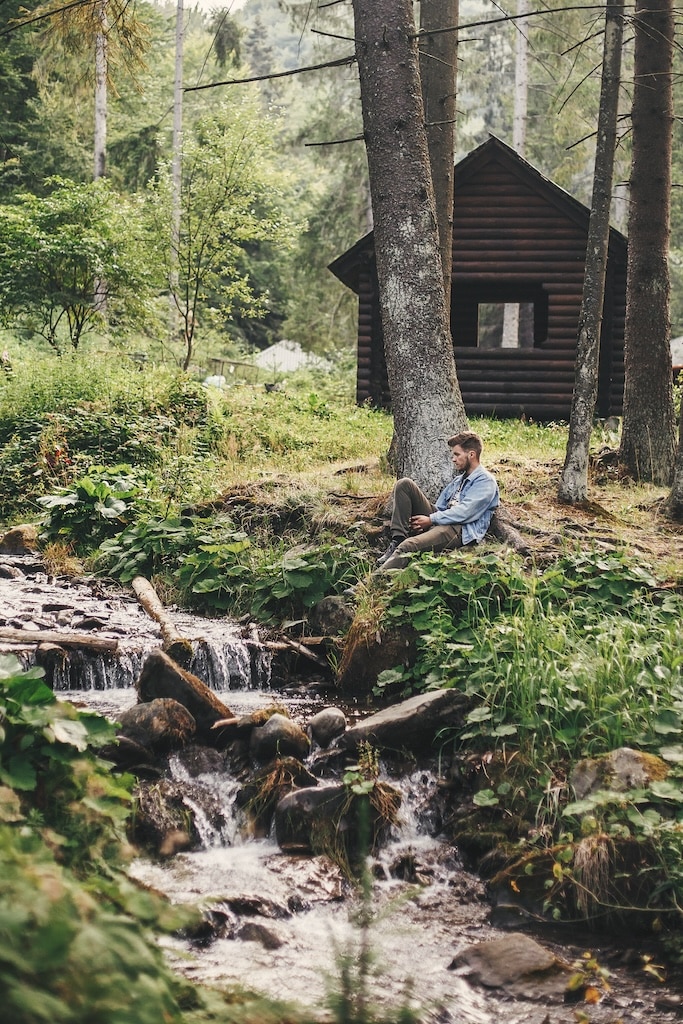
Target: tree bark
{"type": "Point", "coordinates": [425, 394]}
{"type": "Point", "coordinates": [648, 436]}
{"type": "Point", "coordinates": [673, 506]}
{"type": "Point", "coordinates": [574, 480]}
{"type": "Point", "coordinates": [438, 75]}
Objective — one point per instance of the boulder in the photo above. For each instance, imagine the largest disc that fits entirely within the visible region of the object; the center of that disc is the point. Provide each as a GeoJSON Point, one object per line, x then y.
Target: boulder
{"type": "Point", "coordinates": [326, 725]}
{"type": "Point", "coordinates": [279, 737]}
{"type": "Point", "coordinates": [516, 963]}
{"type": "Point", "coordinates": [335, 820]}
{"type": "Point", "coordinates": [253, 931]}
{"type": "Point", "coordinates": [412, 724]}
{"type": "Point", "coordinates": [159, 726]}
{"type": "Point", "coordinates": [20, 540]}
{"type": "Point", "coordinates": [619, 771]}
{"type": "Point", "coordinates": [330, 616]}
{"type": "Point", "coordinates": [161, 677]}
{"type": "Point", "coordinates": [370, 650]}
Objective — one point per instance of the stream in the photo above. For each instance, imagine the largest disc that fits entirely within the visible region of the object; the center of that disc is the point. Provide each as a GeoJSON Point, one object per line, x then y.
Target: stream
{"type": "Point", "coordinates": [283, 925]}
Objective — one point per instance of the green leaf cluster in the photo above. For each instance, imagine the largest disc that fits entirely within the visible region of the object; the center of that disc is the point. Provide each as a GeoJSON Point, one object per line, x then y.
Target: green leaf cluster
{"type": "Point", "coordinates": [574, 659]}
{"type": "Point", "coordinates": [93, 507]}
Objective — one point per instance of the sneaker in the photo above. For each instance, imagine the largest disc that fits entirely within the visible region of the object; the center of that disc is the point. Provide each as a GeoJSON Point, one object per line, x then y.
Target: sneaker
{"type": "Point", "coordinates": [389, 552]}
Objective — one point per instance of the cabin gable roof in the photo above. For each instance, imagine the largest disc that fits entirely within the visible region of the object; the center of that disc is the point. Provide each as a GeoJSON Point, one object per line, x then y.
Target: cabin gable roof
{"type": "Point", "coordinates": [468, 178]}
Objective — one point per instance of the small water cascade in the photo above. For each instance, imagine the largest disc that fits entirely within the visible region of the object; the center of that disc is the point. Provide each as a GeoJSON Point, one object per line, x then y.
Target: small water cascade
{"type": "Point", "coordinates": [224, 655]}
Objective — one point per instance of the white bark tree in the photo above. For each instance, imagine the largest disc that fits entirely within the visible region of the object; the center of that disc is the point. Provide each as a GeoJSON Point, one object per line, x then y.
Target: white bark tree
{"type": "Point", "coordinates": [574, 480]}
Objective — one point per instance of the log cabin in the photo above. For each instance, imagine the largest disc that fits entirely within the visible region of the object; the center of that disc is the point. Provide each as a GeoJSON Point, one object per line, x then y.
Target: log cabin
{"type": "Point", "coordinates": [519, 242]}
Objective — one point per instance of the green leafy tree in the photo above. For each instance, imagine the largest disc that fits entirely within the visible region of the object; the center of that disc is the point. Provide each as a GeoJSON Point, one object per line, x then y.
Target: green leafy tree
{"type": "Point", "coordinates": [53, 248]}
{"type": "Point", "coordinates": [232, 195]}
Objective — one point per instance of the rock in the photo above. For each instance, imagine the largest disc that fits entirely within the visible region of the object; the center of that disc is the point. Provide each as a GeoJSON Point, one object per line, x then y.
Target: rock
{"type": "Point", "coordinates": [330, 819]}
{"type": "Point", "coordinates": [620, 770]}
{"type": "Point", "coordinates": [252, 931]}
{"type": "Point", "coordinates": [52, 658]}
{"type": "Point", "coordinates": [279, 736]}
{"type": "Point", "coordinates": [20, 540]}
{"type": "Point", "coordinates": [161, 677]}
{"type": "Point", "coordinates": [330, 616]}
{"type": "Point", "coordinates": [412, 724]}
{"type": "Point", "coordinates": [159, 726]}
{"type": "Point", "coordinates": [160, 812]}
{"type": "Point", "coordinates": [515, 962]}
{"type": "Point", "coordinates": [368, 651]}
{"type": "Point", "coordinates": [327, 725]}
{"type": "Point", "coordinates": [10, 572]}
{"type": "Point", "coordinates": [174, 842]}
{"type": "Point", "coordinates": [89, 622]}
{"type": "Point", "coordinates": [260, 796]}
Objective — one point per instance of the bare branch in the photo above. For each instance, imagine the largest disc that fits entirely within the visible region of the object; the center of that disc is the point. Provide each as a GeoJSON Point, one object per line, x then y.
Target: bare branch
{"type": "Point", "coordinates": [332, 35]}
{"type": "Point", "coordinates": [336, 142]}
{"type": "Point", "coordinates": [350, 59]}
{"type": "Point", "coordinates": [512, 17]}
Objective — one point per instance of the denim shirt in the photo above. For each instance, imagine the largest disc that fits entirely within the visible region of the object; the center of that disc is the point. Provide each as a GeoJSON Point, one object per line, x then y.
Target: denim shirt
{"type": "Point", "coordinates": [469, 501]}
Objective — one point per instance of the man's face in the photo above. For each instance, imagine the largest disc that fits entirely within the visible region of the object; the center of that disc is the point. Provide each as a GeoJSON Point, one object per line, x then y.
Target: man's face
{"type": "Point", "coordinates": [461, 458]}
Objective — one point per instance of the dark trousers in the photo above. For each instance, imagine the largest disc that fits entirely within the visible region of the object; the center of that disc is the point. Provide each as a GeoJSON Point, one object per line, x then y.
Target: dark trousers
{"type": "Point", "coordinates": [409, 500]}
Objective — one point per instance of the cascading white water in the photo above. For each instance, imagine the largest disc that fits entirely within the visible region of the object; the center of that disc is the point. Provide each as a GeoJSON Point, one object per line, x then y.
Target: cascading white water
{"type": "Point", "coordinates": [223, 657]}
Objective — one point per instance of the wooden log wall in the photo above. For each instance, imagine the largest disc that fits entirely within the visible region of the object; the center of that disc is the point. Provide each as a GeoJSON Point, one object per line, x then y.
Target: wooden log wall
{"type": "Point", "coordinates": [510, 237]}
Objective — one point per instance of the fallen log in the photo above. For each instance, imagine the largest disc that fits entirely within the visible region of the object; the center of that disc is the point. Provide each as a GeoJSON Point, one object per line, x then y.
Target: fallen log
{"type": "Point", "coordinates": [175, 644]}
{"type": "Point", "coordinates": [48, 636]}
{"type": "Point", "coordinates": [293, 645]}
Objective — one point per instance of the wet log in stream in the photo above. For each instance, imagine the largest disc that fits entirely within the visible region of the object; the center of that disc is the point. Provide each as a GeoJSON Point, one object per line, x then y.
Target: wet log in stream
{"type": "Point", "coordinates": [44, 636]}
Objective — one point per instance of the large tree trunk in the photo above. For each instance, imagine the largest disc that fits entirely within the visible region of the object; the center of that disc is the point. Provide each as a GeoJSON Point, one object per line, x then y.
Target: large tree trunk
{"type": "Point", "coordinates": [574, 480]}
{"type": "Point", "coordinates": [425, 394]}
{"type": "Point", "coordinates": [438, 75]}
{"type": "Point", "coordinates": [673, 506]}
{"type": "Point", "coordinates": [648, 437]}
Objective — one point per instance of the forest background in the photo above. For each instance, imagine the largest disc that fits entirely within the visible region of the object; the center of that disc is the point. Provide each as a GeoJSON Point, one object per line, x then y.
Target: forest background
{"type": "Point", "coordinates": [294, 201]}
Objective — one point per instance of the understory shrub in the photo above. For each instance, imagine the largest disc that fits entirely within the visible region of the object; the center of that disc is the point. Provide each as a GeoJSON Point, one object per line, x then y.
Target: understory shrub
{"type": "Point", "coordinates": [73, 938]}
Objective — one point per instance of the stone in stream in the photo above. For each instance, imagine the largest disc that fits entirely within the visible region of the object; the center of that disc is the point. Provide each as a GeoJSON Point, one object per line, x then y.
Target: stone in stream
{"type": "Point", "coordinates": [20, 540]}
{"type": "Point", "coordinates": [333, 819]}
{"type": "Point", "coordinates": [158, 726]}
{"type": "Point", "coordinates": [516, 963]}
{"type": "Point", "coordinates": [252, 931]}
{"type": "Point", "coordinates": [279, 737]}
{"type": "Point", "coordinates": [161, 677]}
{"type": "Point", "coordinates": [411, 725]}
{"type": "Point", "coordinates": [326, 725]}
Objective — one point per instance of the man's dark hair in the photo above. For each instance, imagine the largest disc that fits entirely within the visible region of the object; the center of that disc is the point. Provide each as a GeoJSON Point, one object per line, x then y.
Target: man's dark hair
{"type": "Point", "coordinates": [468, 441]}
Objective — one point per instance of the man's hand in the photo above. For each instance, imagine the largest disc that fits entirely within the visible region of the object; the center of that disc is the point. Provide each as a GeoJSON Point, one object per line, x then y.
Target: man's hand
{"type": "Point", "coordinates": [418, 524]}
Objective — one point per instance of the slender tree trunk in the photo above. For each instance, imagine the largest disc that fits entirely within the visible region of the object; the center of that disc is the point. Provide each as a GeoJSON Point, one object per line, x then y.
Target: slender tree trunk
{"type": "Point", "coordinates": [673, 506]}
{"type": "Point", "coordinates": [574, 480]}
{"type": "Point", "coordinates": [176, 176]}
{"type": "Point", "coordinates": [425, 394]}
{"type": "Point", "coordinates": [438, 75]}
{"type": "Point", "coordinates": [648, 436]}
{"type": "Point", "coordinates": [511, 310]}
{"type": "Point", "coordinates": [100, 140]}
{"type": "Point", "coordinates": [100, 146]}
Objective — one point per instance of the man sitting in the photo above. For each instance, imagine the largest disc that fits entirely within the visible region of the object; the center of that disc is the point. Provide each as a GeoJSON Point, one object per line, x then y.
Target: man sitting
{"type": "Point", "coordinates": [460, 517]}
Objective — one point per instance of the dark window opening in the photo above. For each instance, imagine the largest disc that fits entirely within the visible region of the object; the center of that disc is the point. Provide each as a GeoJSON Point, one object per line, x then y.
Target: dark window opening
{"type": "Point", "coordinates": [505, 325]}
{"type": "Point", "coordinates": [495, 316]}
